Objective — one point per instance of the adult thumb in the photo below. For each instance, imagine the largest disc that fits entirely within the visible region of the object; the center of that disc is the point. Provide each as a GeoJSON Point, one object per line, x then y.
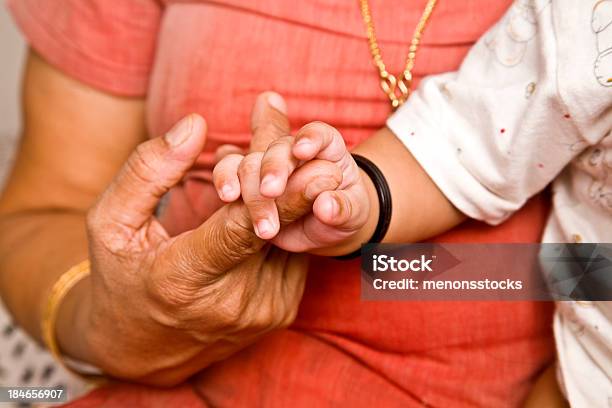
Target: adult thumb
{"type": "Point", "coordinates": [151, 170]}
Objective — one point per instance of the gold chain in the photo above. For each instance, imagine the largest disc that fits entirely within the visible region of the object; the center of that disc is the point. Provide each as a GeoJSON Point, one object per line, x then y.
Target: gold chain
{"type": "Point", "coordinates": [396, 88]}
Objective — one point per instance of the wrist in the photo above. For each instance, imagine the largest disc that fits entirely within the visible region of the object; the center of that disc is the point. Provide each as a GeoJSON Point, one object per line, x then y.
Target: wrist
{"type": "Point", "coordinates": [73, 320]}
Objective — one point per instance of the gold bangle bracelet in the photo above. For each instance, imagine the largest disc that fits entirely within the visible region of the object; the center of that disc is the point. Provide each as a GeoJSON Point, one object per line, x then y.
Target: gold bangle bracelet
{"type": "Point", "coordinates": [49, 319]}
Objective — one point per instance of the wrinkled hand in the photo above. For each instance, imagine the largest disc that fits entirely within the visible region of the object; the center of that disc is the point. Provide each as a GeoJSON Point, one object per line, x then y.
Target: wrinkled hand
{"type": "Point", "coordinates": [262, 176]}
{"type": "Point", "coordinates": [161, 308]}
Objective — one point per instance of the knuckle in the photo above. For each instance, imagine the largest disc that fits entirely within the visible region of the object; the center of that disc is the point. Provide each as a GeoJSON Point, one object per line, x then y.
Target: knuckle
{"type": "Point", "coordinates": [265, 315]}
{"type": "Point", "coordinates": [324, 131]}
{"type": "Point", "coordinates": [306, 129]}
{"type": "Point", "coordinates": [239, 234]}
{"type": "Point", "coordinates": [232, 311]}
{"type": "Point", "coordinates": [289, 317]}
{"type": "Point", "coordinates": [281, 142]}
{"type": "Point", "coordinates": [269, 165]}
{"type": "Point", "coordinates": [143, 164]}
{"type": "Point", "coordinates": [335, 135]}
{"type": "Point", "coordinates": [233, 238]}
{"type": "Point", "coordinates": [103, 235]}
{"type": "Point", "coordinates": [277, 156]}
{"type": "Point", "coordinates": [274, 127]}
{"type": "Point", "coordinates": [316, 126]}
{"type": "Point", "coordinates": [171, 293]}
{"type": "Point", "coordinates": [259, 206]}
{"type": "Point", "coordinates": [267, 132]}
{"type": "Point", "coordinates": [262, 321]}
{"type": "Point", "coordinates": [276, 169]}
{"type": "Point", "coordinates": [332, 136]}
{"type": "Point", "coordinates": [111, 237]}
{"type": "Point", "coordinates": [329, 176]}
{"type": "Point", "coordinates": [286, 314]}
{"type": "Point", "coordinates": [250, 164]}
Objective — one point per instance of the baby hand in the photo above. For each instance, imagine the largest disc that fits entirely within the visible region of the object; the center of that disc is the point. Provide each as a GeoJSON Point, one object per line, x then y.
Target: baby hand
{"type": "Point", "coordinates": [260, 177]}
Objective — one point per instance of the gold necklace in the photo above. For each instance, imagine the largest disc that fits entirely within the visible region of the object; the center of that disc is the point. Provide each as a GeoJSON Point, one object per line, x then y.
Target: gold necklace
{"type": "Point", "coordinates": [396, 88]}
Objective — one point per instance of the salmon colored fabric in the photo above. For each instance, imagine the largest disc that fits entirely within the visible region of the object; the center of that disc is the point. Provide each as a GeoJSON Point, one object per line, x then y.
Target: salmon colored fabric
{"type": "Point", "coordinates": [214, 57]}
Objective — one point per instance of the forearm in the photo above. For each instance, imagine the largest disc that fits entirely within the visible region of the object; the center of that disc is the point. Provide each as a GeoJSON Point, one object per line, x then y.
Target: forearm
{"type": "Point", "coordinates": [420, 210]}
{"type": "Point", "coordinates": [74, 140]}
{"type": "Point", "coordinates": [546, 392]}
{"type": "Point", "coordinates": [35, 249]}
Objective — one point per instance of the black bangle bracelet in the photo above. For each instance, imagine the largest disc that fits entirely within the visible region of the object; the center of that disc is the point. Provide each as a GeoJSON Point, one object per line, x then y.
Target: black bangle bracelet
{"type": "Point", "coordinates": [384, 203]}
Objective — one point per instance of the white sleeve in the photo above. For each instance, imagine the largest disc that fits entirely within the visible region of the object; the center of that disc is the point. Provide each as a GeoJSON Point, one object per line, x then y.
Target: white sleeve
{"type": "Point", "coordinates": [532, 94]}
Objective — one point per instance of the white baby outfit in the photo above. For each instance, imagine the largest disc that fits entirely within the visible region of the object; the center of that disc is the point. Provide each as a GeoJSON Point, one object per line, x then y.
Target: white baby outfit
{"type": "Point", "coordinates": [532, 105]}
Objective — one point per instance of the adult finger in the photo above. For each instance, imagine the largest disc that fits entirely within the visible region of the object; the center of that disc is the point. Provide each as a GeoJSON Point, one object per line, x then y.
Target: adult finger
{"type": "Point", "coordinates": [268, 121]}
{"type": "Point", "coordinates": [222, 242]}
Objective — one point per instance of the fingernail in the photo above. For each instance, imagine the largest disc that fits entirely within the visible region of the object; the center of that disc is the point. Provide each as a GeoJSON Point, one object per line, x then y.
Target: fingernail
{"type": "Point", "coordinates": [269, 182]}
{"type": "Point", "coordinates": [180, 132]}
{"type": "Point", "coordinates": [277, 102]}
{"type": "Point", "coordinates": [318, 185]}
{"type": "Point", "coordinates": [227, 191]}
{"type": "Point", "coordinates": [263, 228]}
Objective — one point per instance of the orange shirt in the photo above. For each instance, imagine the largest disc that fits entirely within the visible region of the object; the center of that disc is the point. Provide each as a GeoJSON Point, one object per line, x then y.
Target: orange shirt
{"type": "Point", "coordinates": [214, 57]}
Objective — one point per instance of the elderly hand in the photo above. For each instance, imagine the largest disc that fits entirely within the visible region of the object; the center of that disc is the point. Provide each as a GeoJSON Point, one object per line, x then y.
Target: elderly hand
{"type": "Point", "coordinates": [161, 308]}
{"type": "Point", "coordinates": [263, 175]}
